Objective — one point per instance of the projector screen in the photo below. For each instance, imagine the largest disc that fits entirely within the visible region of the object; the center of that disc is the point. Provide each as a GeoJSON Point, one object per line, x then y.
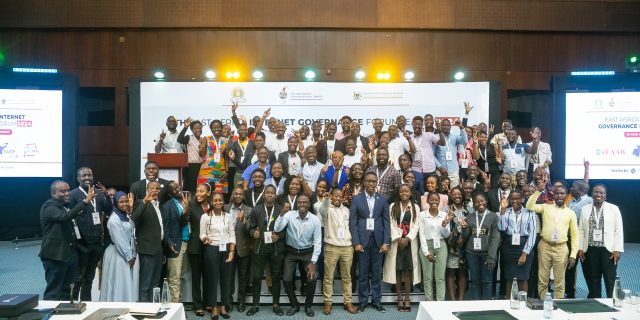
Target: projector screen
{"type": "Point", "coordinates": [30, 133]}
{"type": "Point", "coordinates": [603, 128]}
{"type": "Point", "coordinates": [299, 103]}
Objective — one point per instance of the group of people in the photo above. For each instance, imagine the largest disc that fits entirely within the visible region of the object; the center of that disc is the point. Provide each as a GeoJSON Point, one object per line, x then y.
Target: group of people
{"type": "Point", "coordinates": [433, 207]}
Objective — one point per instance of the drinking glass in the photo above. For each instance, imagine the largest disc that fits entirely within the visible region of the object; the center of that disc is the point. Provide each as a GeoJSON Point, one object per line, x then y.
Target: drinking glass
{"type": "Point", "coordinates": [522, 298]}
{"type": "Point", "coordinates": [156, 295]}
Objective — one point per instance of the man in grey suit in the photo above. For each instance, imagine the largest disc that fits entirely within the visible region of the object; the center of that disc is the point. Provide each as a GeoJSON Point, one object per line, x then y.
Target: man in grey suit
{"type": "Point", "coordinates": [240, 212]}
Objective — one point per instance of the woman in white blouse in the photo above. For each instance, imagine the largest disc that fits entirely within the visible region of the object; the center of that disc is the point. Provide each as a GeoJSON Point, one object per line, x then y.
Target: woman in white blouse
{"type": "Point", "coordinates": [219, 238]}
{"type": "Point", "coordinates": [434, 230]}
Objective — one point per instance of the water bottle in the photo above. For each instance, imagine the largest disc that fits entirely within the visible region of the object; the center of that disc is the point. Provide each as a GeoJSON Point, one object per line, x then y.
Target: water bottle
{"type": "Point", "coordinates": [548, 306]}
{"type": "Point", "coordinates": [618, 295]}
{"type": "Point", "coordinates": [166, 295]}
{"type": "Point", "coordinates": [515, 304]}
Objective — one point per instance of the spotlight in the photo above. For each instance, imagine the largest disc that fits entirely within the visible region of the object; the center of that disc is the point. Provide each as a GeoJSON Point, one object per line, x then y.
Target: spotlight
{"type": "Point", "coordinates": [310, 75]}
{"type": "Point", "coordinates": [386, 76]}
{"type": "Point", "coordinates": [360, 74]}
{"type": "Point", "coordinates": [380, 75]}
{"type": "Point", "coordinates": [409, 75]}
{"type": "Point", "coordinates": [210, 74]}
{"type": "Point", "coordinates": [258, 75]}
{"type": "Point", "coordinates": [229, 75]}
{"type": "Point", "coordinates": [459, 76]}
{"type": "Point", "coordinates": [236, 74]}
{"type": "Point", "coordinates": [159, 74]}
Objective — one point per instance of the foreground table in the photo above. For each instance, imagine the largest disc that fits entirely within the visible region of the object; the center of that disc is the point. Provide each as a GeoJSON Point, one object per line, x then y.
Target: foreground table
{"type": "Point", "coordinates": [442, 310]}
{"type": "Point", "coordinates": [176, 312]}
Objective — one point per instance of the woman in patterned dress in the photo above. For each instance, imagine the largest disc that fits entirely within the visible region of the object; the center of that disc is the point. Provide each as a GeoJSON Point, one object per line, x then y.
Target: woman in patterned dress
{"type": "Point", "coordinates": [214, 167]}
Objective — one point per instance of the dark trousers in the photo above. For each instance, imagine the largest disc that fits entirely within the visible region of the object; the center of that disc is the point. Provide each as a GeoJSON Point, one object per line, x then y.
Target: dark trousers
{"type": "Point", "coordinates": [597, 264]}
{"type": "Point", "coordinates": [240, 265]}
{"type": "Point", "coordinates": [59, 275]}
{"type": "Point", "coordinates": [87, 263]}
{"type": "Point", "coordinates": [481, 277]}
{"type": "Point", "coordinates": [533, 275]}
{"type": "Point", "coordinates": [275, 264]}
{"type": "Point", "coordinates": [370, 261]}
{"type": "Point", "coordinates": [150, 270]}
{"type": "Point", "coordinates": [190, 174]}
{"type": "Point", "coordinates": [570, 276]}
{"type": "Point", "coordinates": [301, 260]}
{"type": "Point", "coordinates": [195, 260]}
{"type": "Point", "coordinates": [218, 272]}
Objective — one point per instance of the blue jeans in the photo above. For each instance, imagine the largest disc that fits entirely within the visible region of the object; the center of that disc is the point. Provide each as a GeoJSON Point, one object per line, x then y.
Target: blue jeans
{"type": "Point", "coordinates": [481, 276]}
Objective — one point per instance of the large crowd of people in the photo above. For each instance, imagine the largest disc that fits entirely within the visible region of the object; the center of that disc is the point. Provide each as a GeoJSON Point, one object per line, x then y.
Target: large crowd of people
{"type": "Point", "coordinates": [431, 208]}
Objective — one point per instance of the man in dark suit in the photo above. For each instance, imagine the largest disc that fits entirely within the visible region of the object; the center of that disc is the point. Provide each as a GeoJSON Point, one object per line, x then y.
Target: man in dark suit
{"type": "Point", "coordinates": [151, 171]}
{"type": "Point", "coordinates": [92, 225]}
{"type": "Point", "coordinates": [149, 233]}
{"type": "Point", "coordinates": [175, 225]}
{"type": "Point", "coordinates": [371, 236]}
{"type": "Point", "coordinates": [240, 152]}
{"type": "Point", "coordinates": [361, 141]}
{"type": "Point", "coordinates": [268, 248]}
{"type": "Point", "coordinates": [240, 211]}
{"type": "Point", "coordinates": [59, 240]}
{"type": "Point", "coordinates": [502, 191]}
{"type": "Point", "coordinates": [291, 160]}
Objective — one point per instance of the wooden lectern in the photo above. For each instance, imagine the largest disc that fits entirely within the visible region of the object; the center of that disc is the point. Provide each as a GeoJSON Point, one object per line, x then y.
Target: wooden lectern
{"type": "Point", "coordinates": [170, 164]}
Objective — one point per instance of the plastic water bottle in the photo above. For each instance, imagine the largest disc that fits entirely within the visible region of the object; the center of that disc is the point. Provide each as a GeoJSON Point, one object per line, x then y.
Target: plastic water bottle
{"type": "Point", "coordinates": [618, 294]}
{"type": "Point", "coordinates": [515, 304]}
{"type": "Point", "coordinates": [548, 306]}
{"type": "Point", "coordinates": [166, 295]}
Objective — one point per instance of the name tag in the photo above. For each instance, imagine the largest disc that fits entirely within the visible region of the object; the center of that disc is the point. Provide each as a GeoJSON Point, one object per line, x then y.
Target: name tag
{"type": "Point", "coordinates": [477, 244]}
{"type": "Point", "coordinates": [96, 218]}
{"type": "Point", "coordinates": [241, 159]}
{"type": "Point", "coordinates": [515, 239]}
{"type": "Point", "coordinates": [448, 155]}
{"type": "Point", "coordinates": [267, 237]}
{"type": "Point", "coordinates": [341, 233]}
{"type": "Point", "coordinates": [555, 236]}
{"type": "Point", "coordinates": [597, 235]}
{"type": "Point", "coordinates": [464, 163]}
{"type": "Point", "coordinates": [222, 247]}
{"type": "Point", "coordinates": [436, 243]}
{"type": "Point", "coordinates": [370, 224]}
{"type": "Point", "coordinates": [216, 157]}
{"type": "Point", "coordinates": [76, 231]}
{"type": "Point", "coordinates": [513, 164]}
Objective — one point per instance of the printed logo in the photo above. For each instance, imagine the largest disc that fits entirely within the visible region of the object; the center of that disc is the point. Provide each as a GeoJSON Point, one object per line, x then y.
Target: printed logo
{"type": "Point", "coordinates": [237, 95]}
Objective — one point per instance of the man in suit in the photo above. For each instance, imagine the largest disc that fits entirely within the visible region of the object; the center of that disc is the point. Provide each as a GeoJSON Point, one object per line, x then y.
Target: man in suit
{"type": "Point", "coordinates": [175, 224]}
{"type": "Point", "coordinates": [91, 225]}
{"type": "Point", "coordinates": [601, 242]}
{"type": "Point", "coordinates": [151, 171]}
{"type": "Point", "coordinates": [291, 160]}
{"type": "Point", "coordinates": [370, 235]}
{"type": "Point", "coordinates": [361, 141]}
{"type": "Point", "coordinates": [268, 248]}
{"type": "Point", "coordinates": [59, 239]}
{"type": "Point", "coordinates": [240, 211]}
{"type": "Point", "coordinates": [240, 152]}
{"type": "Point", "coordinates": [149, 233]}
{"type": "Point", "coordinates": [501, 192]}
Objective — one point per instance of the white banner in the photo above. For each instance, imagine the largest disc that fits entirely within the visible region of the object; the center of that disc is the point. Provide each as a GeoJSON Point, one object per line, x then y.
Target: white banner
{"type": "Point", "coordinates": [299, 103]}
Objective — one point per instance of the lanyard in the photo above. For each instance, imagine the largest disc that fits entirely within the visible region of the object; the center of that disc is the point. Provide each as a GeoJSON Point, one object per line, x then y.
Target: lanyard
{"type": "Point", "coordinates": [380, 176]}
{"type": "Point", "coordinates": [253, 197]}
{"type": "Point", "coordinates": [302, 226]}
{"type": "Point", "coordinates": [215, 143]}
{"type": "Point", "coordinates": [403, 211]}
{"type": "Point", "coordinates": [371, 206]}
{"type": "Point", "coordinates": [269, 215]}
{"type": "Point", "coordinates": [292, 202]}
{"type": "Point", "coordinates": [479, 226]}
{"type": "Point", "coordinates": [597, 215]}
{"type": "Point", "coordinates": [93, 201]}
{"type": "Point", "coordinates": [515, 218]}
{"type": "Point", "coordinates": [417, 142]}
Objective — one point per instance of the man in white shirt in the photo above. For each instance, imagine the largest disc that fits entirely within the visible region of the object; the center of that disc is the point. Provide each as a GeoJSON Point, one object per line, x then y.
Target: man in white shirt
{"type": "Point", "coordinates": [601, 242]}
{"type": "Point", "coordinates": [542, 156]}
{"type": "Point", "coordinates": [168, 142]}
{"type": "Point", "coordinates": [312, 169]}
{"type": "Point", "coordinates": [278, 143]}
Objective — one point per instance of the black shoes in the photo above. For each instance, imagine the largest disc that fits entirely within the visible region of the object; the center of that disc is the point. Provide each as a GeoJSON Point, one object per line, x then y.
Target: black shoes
{"type": "Point", "coordinates": [252, 311]}
{"type": "Point", "coordinates": [362, 307]}
{"type": "Point", "coordinates": [309, 312]}
{"type": "Point", "coordinates": [293, 310]}
{"type": "Point", "coordinates": [278, 311]}
{"type": "Point", "coordinates": [378, 307]}
{"type": "Point", "coordinates": [241, 307]}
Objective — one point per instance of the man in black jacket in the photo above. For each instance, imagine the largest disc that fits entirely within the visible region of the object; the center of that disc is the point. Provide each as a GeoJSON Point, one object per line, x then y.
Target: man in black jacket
{"type": "Point", "coordinates": [149, 233]}
{"type": "Point", "coordinates": [240, 213]}
{"type": "Point", "coordinates": [175, 225]}
{"type": "Point", "coordinates": [91, 224]}
{"type": "Point", "coordinates": [151, 172]}
{"type": "Point", "coordinates": [241, 152]}
{"type": "Point", "coordinates": [59, 240]}
{"type": "Point", "coordinates": [268, 247]}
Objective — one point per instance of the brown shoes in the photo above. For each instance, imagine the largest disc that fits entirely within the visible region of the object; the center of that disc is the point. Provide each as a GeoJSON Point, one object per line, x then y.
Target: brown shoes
{"type": "Point", "coordinates": [350, 308]}
{"type": "Point", "coordinates": [327, 308]}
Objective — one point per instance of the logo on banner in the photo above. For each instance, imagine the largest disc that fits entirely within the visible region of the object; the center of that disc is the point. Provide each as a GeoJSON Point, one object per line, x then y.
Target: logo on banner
{"type": "Point", "coordinates": [283, 94]}
{"type": "Point", "coordinates": [357, 95]}
{"type": "Point", "coordinates": [237, 95]}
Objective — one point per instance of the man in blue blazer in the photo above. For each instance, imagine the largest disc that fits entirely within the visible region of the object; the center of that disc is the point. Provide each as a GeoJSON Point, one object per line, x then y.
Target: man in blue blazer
{"type": "Point", "coordinates": [371, 236]}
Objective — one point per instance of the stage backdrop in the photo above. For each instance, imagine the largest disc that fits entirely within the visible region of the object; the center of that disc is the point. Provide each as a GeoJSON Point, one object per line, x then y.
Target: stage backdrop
{"type": "Point", "coordinates": [299, 103]}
